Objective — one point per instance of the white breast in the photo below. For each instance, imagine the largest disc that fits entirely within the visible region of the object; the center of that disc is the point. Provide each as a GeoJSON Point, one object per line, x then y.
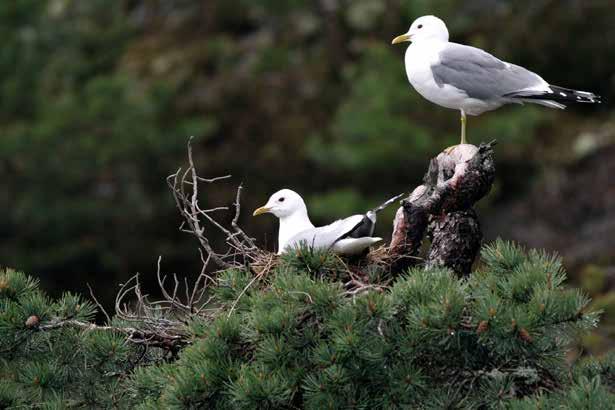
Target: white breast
{"type": "Point", "coordinates": [419, 59]}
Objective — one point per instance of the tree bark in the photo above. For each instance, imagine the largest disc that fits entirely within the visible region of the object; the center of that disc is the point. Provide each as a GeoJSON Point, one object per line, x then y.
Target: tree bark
{"type": "Point", "coordinates": [441, 210]}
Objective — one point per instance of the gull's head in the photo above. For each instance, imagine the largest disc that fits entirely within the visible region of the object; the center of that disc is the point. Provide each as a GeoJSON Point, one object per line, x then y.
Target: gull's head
{"type": "Point", "coordinates": [424, 28]}
{"type": "Point", "coordinates": [282, 204]}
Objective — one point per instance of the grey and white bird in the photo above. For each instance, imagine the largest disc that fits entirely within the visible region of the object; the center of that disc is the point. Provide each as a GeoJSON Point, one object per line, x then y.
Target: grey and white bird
{"type": "Point", "coordinates": [471, 80]}
{"type": "Point", "coordinates": [348, 236]}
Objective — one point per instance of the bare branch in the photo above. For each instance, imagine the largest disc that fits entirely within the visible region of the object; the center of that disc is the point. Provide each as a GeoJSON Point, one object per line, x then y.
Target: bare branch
{"type": "Point", "coordinates": [102, 309]}
{"type": "Point", "coordinates": [190, 219]}
{"type": "Point", "coordinates": [234, 223]}
{"type": "Point", "coordinates": [254, 279]}
{"type": "Point", "coordinates": [184, 185]}
{"type": "Point", "coordinates": [216, 179]}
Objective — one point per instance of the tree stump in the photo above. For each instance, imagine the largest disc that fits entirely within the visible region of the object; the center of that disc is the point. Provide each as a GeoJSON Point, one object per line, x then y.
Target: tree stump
{"type": "Point", "coordinates": [441, 209]}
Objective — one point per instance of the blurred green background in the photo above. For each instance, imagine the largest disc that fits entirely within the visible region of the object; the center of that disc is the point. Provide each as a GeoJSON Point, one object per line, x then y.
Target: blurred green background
{"type": "Point", "coordinates": [99, 97]}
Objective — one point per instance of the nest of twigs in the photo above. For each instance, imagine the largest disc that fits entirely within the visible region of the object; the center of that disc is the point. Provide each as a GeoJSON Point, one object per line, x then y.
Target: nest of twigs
{"type": "Point", "coordinates": [264, 262]}
{"type": "Point", "coordinates": [371, 271]}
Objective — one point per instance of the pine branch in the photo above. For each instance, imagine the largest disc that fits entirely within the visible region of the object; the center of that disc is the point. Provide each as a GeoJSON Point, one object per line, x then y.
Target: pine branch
{"type": "Point", "coordinates": [166, 341]}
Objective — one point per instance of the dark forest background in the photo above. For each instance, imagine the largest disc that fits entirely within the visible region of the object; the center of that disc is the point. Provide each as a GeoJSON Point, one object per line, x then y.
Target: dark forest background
{"type": "Point", "coordinates": [98, 100]}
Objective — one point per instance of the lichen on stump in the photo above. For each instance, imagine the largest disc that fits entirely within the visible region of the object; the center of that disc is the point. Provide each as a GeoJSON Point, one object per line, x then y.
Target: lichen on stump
{"type": "Point", "coordinates": [441, 209]}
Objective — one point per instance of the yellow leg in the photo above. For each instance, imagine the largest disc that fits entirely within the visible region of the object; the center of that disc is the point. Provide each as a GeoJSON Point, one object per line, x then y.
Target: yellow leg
{"type": "Point", "coordinates": [463, 133]}
{"type": "Point", "coordinates": [463, 128]}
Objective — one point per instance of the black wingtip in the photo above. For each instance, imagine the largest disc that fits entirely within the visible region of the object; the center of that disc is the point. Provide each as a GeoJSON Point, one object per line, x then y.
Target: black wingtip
{"type": "Point", "coordinates": [387, 203]}
{"type": "Point", "coordinates": [561, 94]}
{"type": "Point", "coordinates": [558, 94]}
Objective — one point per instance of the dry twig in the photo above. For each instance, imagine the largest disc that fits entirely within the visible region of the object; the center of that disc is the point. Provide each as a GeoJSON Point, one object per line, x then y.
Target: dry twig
{"type": "Point", "coordinates": [184, 185]}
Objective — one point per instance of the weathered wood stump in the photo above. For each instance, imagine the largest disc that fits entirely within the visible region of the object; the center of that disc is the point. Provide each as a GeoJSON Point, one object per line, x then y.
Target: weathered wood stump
{"type": "Point", "coordinates": [441, 210]}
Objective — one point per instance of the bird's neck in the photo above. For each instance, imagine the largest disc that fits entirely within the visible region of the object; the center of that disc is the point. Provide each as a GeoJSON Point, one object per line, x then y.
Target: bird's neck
{"type": "Point", "coordinates": [291, 225]}
{"type": "Point", "coordinates": [430, 46]}
{"type": "Point", "coordinates": [419, 57]}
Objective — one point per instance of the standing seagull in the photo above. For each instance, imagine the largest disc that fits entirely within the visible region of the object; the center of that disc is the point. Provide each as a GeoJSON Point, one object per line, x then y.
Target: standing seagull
{"type": "Point", "coordinates": [348, 236]}
{"type": "Point", "coordinates": [471, 80]}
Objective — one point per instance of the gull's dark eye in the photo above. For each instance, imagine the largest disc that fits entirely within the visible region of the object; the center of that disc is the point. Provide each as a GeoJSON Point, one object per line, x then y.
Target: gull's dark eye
{"type": "Point", "coordinates": [420, 26]}
{"type": "Point", "coordinates": [281, 199]}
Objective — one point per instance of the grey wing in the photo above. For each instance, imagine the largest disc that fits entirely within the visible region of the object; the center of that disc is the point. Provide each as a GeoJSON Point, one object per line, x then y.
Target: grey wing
{"type": "Point", "coordinates": [326, 236]}
{"type": "Point", "coordinates": [479, 74]}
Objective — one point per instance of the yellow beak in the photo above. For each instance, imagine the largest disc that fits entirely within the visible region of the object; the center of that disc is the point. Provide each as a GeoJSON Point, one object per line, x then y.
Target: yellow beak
{"type": "Point", "coordinates": [401, 39]}
{"type": "Point", "coordinates": [261, 210]}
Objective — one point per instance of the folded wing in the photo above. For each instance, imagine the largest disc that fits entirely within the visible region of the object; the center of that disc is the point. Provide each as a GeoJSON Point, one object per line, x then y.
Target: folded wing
{"type": "Point", "coordinates": [324, 237]}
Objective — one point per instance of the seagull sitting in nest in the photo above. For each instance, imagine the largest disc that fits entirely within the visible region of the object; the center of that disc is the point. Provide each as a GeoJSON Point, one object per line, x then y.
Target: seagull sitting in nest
{"type": "Point", "coordinates": [348, 236]}
{"type": "Point", "coordinates": [471, 80]}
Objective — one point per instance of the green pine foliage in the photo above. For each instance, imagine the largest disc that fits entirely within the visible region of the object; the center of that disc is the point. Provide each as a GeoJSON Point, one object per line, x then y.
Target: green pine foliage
{"type": "Point", "coordinates": [45, 365]}
{"type": "Point", "coordinates": [297, 338]}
